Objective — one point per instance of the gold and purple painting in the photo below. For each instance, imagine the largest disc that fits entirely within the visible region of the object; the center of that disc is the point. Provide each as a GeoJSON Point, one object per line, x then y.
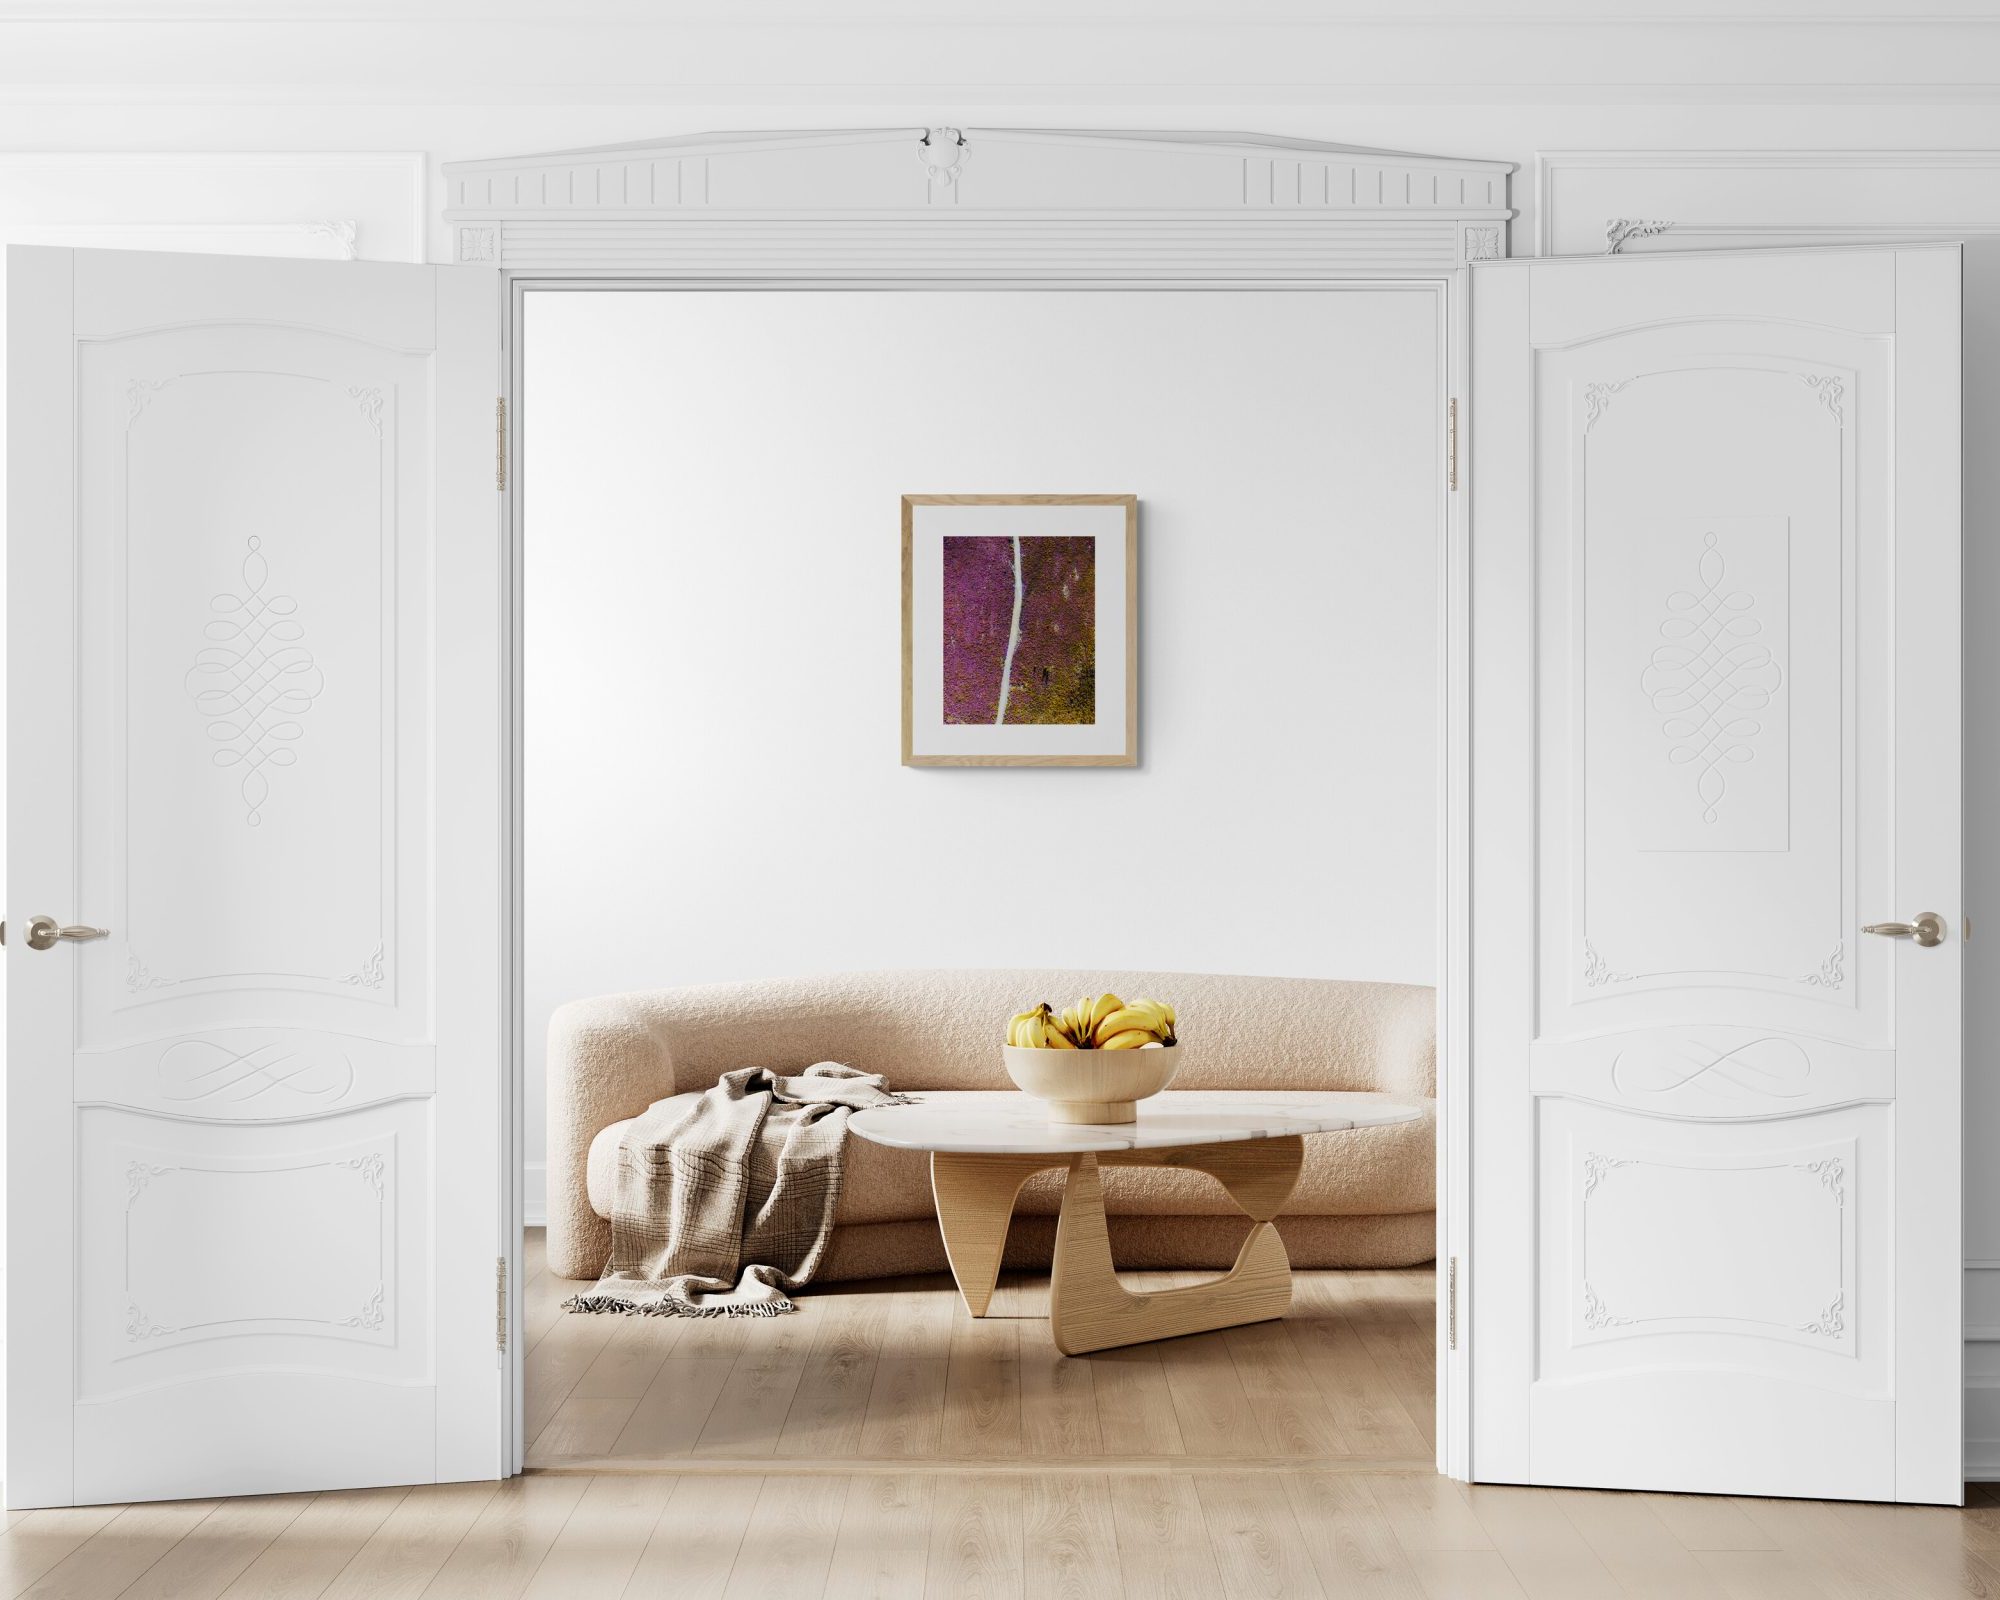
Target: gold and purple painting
{"type": "Point", "coordinates": [1020, 624]}
{"type": "Point", "coordinates": [1020, 628]}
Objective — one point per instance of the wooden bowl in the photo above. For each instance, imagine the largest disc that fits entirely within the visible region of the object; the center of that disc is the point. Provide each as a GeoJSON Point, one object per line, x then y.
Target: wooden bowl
{"type": "Point", "coordinates": [1091, 1085]}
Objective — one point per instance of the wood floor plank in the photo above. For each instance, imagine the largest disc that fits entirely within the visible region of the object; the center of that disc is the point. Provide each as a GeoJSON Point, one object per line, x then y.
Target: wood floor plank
{"type": "Point", "coordinates": [1286, 1404]}
{"type": "Point", "coordinates": [695, 1542]}
{"type": "Point", "coordinates": [111, 1559]}
{"type": "Point", "coordinates": [1070, 1537]}
{"type": "Point", "coordinates": [555, 1364]}
{"type": "Point", "coordinates": [401, 1557]}
{"type": "Point", "coordinates": [674, 1409]}
{"type": "Point", "coordinates": [309, 1554]}
{"type": "Point", "coordinates": [982, 1399]}
{"type": "Point", "coordinates": [1210, 1406]}
{"type": "Point", "coordinates": [631, 1357]}
{"type": "Point", "coordinates": [1164, 1552]}
{"type": "Point", "coordinates": [1708, 1522]}
{"type": "Point", "coordinates": [581, 1427]}
{"type": "Point", "coordinates": [883, 1550]}
{"type": "Point", "coordinates": [1637, 1548]}
{"type": "Point", "coordinates": [1260, 1553]}
{"type": "Point", "coordinates": [976, 1550]}
{"type": "Point", "coordinates": [497, 1558]}
{"type": "Point", "coordinates": [600, 1543]}
{"type": "Point", "coordinates": [1348, 1535]}
{"type": "Point", "coordinates": [1058, 1402]}
{"type": "Point", "coordinates": [1135, 1405]}
{"type": "Point", "coordinates": [218, 1548]}
{"type": "Point", "coordinates": [788, 1545]}
{"type": "Point", "coordinates": [749, 1412]}
{"type": "Point", "coordinates": [1543, 1549]}
{"type": "Point", "coordinates": [830, 1406]}
{"type": "Point", "coordinates": [42, 1539]}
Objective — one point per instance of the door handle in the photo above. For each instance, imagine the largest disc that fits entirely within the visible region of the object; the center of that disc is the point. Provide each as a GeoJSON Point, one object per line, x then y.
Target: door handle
{"type": "Point", "coordinates": [1927, 930]}
{"type": "Point", "coordinates": [43, 932]}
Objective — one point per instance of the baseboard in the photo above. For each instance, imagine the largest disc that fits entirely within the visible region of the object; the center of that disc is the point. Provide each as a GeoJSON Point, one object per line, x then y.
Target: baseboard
{"type": "Point", "coordinates": [535, 1194]}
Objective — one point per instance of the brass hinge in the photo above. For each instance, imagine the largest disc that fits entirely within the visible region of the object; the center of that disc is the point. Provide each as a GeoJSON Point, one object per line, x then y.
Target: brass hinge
{"type": "Point", "coordinates": [500, 1302]}
{"type": "Point", "coordinates": [1451, 446]}
{"type": "Point", "coordinates": [1451, 1302]}
{"type": "Point", "coordinates": [500, 443]}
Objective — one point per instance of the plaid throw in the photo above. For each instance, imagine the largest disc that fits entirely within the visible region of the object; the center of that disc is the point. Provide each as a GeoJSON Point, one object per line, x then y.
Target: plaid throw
{"type": "Point", "coordinates": [721, 1209]}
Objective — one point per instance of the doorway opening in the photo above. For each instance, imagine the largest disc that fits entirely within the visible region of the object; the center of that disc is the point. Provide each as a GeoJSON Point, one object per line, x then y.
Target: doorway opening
{"type": "Point", "coordinates": [708, 485]}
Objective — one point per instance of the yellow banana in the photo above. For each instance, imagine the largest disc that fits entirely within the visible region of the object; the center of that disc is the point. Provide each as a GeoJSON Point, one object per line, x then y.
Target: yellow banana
{"type": "Point", "coordinates": [1123, 1020]}
{"type": "Point", "coordinates": [1100, 1008]}
{"type": "Point", "coordinates": [1056, 1039]}
{"type": "Point", "coordinates": [1130, 1039]}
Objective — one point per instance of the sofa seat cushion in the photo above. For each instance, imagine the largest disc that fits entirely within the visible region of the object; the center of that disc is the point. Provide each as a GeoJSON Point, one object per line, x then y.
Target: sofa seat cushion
{"type": "Point", "coordinates": [1355, 1172]}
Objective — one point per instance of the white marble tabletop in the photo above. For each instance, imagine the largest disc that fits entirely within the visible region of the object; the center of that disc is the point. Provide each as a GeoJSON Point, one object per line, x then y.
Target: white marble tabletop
{"type": "Point", "coordinates": [1011, 1123]}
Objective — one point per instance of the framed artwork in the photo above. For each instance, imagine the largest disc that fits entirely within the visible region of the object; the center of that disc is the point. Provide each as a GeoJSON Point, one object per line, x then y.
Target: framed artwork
{"type": "Point", "coordinates": [1020, 630]}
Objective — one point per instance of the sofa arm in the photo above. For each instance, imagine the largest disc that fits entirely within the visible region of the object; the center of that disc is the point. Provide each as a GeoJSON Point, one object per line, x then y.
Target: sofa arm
{"type": "Point", "coordinates": [608, 1060]}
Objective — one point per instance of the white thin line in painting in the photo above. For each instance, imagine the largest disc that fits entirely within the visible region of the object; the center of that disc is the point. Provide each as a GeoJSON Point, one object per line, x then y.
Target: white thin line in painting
{"type": "Point", "coordinates": [1013, 635]}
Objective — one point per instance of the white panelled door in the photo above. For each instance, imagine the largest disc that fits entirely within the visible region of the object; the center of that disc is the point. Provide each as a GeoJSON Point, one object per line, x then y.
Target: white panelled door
{"type": "Point", "coordinates": [1715, 600]}
{"type": "Point", "coordinates": [254, 735]}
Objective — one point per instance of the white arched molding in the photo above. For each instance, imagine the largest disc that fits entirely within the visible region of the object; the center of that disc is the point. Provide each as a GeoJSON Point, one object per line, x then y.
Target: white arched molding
{"type": "Point", "coordinates": [983, 202]}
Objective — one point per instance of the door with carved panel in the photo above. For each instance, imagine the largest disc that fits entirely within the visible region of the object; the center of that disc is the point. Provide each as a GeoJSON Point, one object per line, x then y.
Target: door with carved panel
{"type": "Point", "coordinates": [255, 788]}
{"type": "Point", "coordinates": [1716, 873]}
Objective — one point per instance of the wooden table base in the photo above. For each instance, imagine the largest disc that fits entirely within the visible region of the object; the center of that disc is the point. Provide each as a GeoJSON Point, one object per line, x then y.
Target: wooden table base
{"type": "Point", "coordinates": [1089, 1309]}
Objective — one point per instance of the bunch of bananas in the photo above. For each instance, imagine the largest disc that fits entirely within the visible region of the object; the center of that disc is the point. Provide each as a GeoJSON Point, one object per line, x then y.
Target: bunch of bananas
{"type": "Point", "coordinates": [1096, 1022]}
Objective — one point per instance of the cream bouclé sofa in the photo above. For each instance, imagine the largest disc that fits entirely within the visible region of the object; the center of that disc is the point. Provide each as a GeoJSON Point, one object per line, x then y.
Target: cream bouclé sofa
{"type": "Point", "coordinates": [1365, 1199]}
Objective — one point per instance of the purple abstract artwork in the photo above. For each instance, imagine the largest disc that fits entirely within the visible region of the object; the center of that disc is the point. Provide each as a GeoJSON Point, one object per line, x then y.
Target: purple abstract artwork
{"type": "Point", "coordinates": [1020, 629]}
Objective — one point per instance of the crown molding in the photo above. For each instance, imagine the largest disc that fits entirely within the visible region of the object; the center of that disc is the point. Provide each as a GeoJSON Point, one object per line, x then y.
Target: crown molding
{"type": "Point", "coordinates": [948, 201]}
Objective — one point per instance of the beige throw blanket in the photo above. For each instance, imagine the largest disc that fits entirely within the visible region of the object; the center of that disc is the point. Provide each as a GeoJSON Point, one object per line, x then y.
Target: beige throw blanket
{"type": "Point", "coordinates": [722, 1209]}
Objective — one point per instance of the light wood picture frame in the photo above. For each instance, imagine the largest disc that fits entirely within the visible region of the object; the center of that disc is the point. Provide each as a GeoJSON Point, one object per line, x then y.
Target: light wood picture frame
{"type": "Point", "coordinates": [1020, 630]}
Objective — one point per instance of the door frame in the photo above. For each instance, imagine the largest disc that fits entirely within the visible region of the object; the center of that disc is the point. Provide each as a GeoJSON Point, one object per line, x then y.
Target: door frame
{"type": "Point", "coordinates": [1450, 294]}
{"type": "Point", "coordinates": [1119, 211]}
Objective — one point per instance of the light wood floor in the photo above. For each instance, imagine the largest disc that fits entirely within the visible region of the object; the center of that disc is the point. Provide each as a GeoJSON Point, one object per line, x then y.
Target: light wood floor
{"type": "Point", "coordinates": [882, 1448]}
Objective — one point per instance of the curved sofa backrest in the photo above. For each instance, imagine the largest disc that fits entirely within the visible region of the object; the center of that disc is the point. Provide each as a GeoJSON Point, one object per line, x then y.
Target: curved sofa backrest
{"type": "Point", "coordinates": [942, 1029]}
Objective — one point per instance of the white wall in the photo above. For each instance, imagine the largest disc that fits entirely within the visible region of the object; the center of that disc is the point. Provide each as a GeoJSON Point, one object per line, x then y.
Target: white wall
{"type": "Point", "coordinates": [1626, 81]}
{"type": "Point", "coordinates": [714, 649]}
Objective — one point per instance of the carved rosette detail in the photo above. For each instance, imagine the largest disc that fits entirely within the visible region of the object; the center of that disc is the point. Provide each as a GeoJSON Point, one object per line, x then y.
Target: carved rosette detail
{"type": "Point", "coordinates": [1832, 394]}
{"type": "Point", "coordinates": [1832, 1173]}
{"type": "Point", "coordinates": [1597, 971]}
{"type": "Point", "coordinates": [944, 153]}
{"type": "Point", "coordinates": [369, 400]}
{"type": "Point", "coordinates": [1482, 244]}
{"type": "Point", "coordinates": [1832, 1322]}
{"type": "Point", "coordinates": [369, 1317]}
{"type": "Point", "coordinates": [137, 1175]}
{"type": "Point", "coordinates": [1596, 1314]}
{"type": "Point", "coordinates": [1597, 400]}
{"type": "Point", "coordinates": [1595, 1165]}
{"type": "Point", "coordinates": [1832, 972]}
{"type": "Point", "coordinates": [1621, 231]}
{"type": "Point", "coordinates": [369, 974]}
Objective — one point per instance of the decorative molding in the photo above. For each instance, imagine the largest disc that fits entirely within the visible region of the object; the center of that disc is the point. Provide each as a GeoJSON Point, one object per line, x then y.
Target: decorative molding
{"type": "Point", "coordinates": [1620, 231]}
{"type": "Point", "coordinates": [370, 1314]}
{"type": "Point", "coordinates": [1707, 675]}
{"type": "Point", "coordinates": [369, 400]}
{"type": "Point", "coordinates": [253, 680]}
{"type": "Point", "coordinates": [1597, 401]}
{"type": "Point", "coordinates": [195, 1071]}
{"type": "Point", "coordinates": [1596, 971]}
{"type": "Point", "coordinates": [913, 203]}
{"type": "Point", "coordinates": [139, 977]}
{"type": "Point", "coordinates": [1733, 1066]}
{"type": "Point", "coordinates": [1832, 1174]}
{"type": "Point", "coordinates": [369, 974]}
{"type": "Point", "coordinates": [1596, 1315]}
{"type": "Point", "coordinates": [1832, 973]}
{"type": "Point", "coordinates": [1830, 390]}
{"type": "Point", "coordinates": [943, 153]}
{"type": "Point", "coordinates": [1830, 1323]}
{"type": "Point", "coordinates": [341, 235]}
{"type": "Point", "coordinates": [139, 394]}
{"type": "Point", "coordinates": [1595, 1165]}
{"type": "Point", "coordinates": [370, 1169]}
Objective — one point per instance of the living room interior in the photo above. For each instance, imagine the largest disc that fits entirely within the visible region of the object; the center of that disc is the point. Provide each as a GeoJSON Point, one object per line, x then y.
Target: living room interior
{"type": "Point", "coordinates": [999, 803]}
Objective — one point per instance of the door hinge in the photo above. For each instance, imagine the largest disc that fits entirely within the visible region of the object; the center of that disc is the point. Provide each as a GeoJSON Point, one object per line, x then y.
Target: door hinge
{"type": "Point", "coordinates": [1451, 446]}
{"type": "Point", "coordinates": [500, 443]}
{"type": "Point", "coordinates": [500, 1302]}
{"type": "Point", "coordinates": [1451, 1303]}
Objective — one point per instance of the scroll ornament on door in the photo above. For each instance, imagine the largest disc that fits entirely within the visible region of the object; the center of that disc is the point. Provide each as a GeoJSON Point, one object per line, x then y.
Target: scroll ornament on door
{"type": "Point", "coordinates": [253, 680]}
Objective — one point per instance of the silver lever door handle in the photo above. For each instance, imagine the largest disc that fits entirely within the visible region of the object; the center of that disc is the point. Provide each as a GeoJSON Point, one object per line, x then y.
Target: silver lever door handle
{"type": "Point", "coordinates": [43, 932]}
{"type": "Point", "coordinates": [1927, 930]}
